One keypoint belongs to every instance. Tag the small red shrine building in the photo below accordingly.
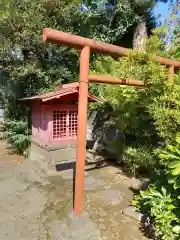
(54, 123)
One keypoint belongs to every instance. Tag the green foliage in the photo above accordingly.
(149, 119)
(160, 207)
(171, 158)
(145, 117)
(162, 199)
(138, 159)
(17, 135)
(107, 20)
(165, 110)
(28, 66)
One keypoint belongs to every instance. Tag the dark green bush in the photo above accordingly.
(138, 159)
(161, 201)
(17, 135)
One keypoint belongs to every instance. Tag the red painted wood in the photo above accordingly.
(114, 80)
(60, 130)
(64, 123)
(82, 125)
(78, 42)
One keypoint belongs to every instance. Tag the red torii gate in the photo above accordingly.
(86, 45)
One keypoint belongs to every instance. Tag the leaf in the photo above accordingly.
(135, 203)
(163, 191)
(177, 183)
(174, 164)
(178, 151)
(171, 179)
(176, 171)
(176, 229)
(171, 207)
(178, 138)
(172, 156)
(171, 148)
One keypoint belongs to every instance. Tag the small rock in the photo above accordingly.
(68, 174)
(131, 212)
(110, 195)
(90, 183)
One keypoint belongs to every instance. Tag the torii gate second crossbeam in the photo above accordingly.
(87, 45)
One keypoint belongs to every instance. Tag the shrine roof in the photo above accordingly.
(66, 89)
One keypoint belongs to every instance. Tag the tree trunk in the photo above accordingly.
(140, 35)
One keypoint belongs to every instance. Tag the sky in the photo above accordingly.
(161, 9)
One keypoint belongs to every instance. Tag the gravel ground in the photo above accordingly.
(34, 208)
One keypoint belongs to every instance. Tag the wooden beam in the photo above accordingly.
(61, 38)
(114, 80)
(81, 135)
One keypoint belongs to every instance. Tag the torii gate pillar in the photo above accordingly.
(81, 135)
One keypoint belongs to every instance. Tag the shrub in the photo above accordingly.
(17, 135)
(138, 159)
(161, 201)
(2, 130)
(143, 112)
(146, 117)
(164, 108)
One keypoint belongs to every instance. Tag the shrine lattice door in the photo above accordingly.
(64, 124)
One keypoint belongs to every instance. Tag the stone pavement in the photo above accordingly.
(34, 208)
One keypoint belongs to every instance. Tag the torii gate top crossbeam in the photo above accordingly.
(61, 38)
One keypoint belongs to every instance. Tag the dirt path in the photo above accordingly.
(33, 208)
